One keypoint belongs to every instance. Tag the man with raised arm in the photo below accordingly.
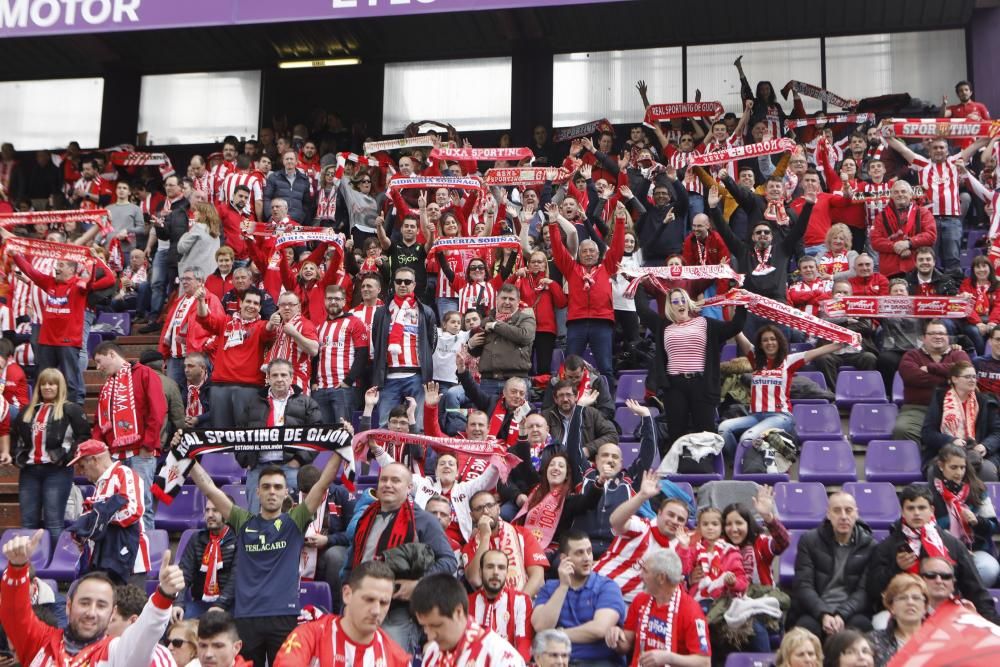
(268, 546)
(90, 603)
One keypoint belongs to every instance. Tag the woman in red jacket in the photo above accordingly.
(982, 286)
(591, 317)
(309, 282)
(545, 296)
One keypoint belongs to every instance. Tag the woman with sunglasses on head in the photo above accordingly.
(770, 385)
(962, 508)
(361, 205)
(960, 414)
(688, 347)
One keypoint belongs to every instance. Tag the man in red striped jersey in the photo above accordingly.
(498, 607)
(342, 359)
(244, 176)
(355, 638)
(637, 538)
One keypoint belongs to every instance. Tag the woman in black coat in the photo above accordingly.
(44, 439)
(692, 395)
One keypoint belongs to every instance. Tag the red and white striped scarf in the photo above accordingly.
(116, 409)
(236, 330)
(782, 313)
(211, 564)
(194, 407)
(284, 346)
(958, 419)
(176, 332)
(523, 176)
(39, 427)
(659, 276)
(939, 128)
(925, 543)
(956, 502)
(665, 642)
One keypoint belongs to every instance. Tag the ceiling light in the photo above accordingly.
(328, 62)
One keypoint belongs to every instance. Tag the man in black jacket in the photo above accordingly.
(916, 536)
(279, 404)
(830, 565)
(215, 545)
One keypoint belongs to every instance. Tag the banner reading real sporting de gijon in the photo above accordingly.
(23, 18)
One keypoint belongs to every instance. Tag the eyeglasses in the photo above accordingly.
(484, 507)
(677, 302)
(403, 281)
(762, 232)
(477, 268)
(943, 576)
(177, 643)
(912, 597)
(365, 180)
(968, 377)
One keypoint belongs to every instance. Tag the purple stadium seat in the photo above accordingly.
(316, 593)
(815, 376)
(829, 462)
(688, 489)
(187, 511)
(183, 542)
(729, 352)
(897, 389)
(817, 422)
(589, 357)
(872, 421)
(557, 359)
(223, 468)
(749, 660)
(41, 556)
(630, 386)
(698, 480)
(880, 534)
(238, 493)
(159, 541)
(877, 502)
(800, 504)
(120, 323)
(974, 236)
(628, 422)
(630, 452)
(64, 560)
(799, 347)
(786, 561)
(151, 585)
(965, 260)
(859, 387)
(893, 461)
(993, 491)
(995, 594)
(759, 477)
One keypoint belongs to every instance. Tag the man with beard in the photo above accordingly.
(583, 603)
(527, 561)
(90, 604)
(497, 607)
(342, 361)
(207, 564)
(354, 638)
(597, 430)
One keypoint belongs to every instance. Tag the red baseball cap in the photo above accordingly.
(89, 448)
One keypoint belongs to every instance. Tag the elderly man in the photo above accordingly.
(597, 430)
(504, 344)
(664, 625)
(900, 229)
(181, 332)
(583, 603)
(584, 377)
(551, 648)
(591, 317)
(242, 281)
(865, 282)
(389, 522)
(297, 341)
(197, 398)
(923, 370)
(829, 591)
(506, 410)
(291, 185)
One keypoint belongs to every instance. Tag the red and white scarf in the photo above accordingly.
(194, 407)
(176, 328)
(523, 176)
(542, 519)
(496, 422)
(435, 182)
(939, 128)
(899, 306)
(709, 558)
(482, 154)
(769, 147)
(645, 641)
(35, 249)
(775, 212)
(491, 451)
(956, 502)
(397, 328)
(116, 409)
(284, 346)
(310, 555)
(763, 262)
(959, 419)
(782, 313)
(454, 243)
(925, 544)
(99, 216)
(655, 113)
(39, 428)
(583, 386)
(211, 565)
(582, 130)
(236, 330)
(294, 236)
(424, 141)
(840, 119)
(817, 93)
(139, 159)
(659, 276)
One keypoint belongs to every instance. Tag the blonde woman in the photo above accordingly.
(799, 648)
(182, 642)
(43, 440)
(198, 246)
(838, 259)
(906, 600)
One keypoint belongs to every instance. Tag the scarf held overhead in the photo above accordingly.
(769, 147)
(661, 275)
(817, 93)
(397, 144)
(839, 119)
(34, 248)
(482, 154)
(128, 158)
(938, 128)
(790, 316)
(582, 130)
(660, 112)
(98, 216)
(899, 306)
(526, 176)
(426, 182)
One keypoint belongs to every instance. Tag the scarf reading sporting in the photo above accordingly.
(482, 154)
(956, 497)
(660, 276)
(840, 119)
(98, 216)
(33, 248)
(522, 176)
(235, 332)
(769, 147)
(402, 530)
(316, 438)
(660, 112)
(302, 235)
(899, 306)
(543, 518)
(211, 564)
(582, 130)
(397, 144)
(958, 418)
(139, 159)
(782, 313)
(925, 543)
(116, 409)
(491, 451)
(434, 182)
(817, 93)
(938, 128)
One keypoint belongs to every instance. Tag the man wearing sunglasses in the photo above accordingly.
(404, 334)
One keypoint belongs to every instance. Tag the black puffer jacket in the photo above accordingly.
(814, 565)
(194, 578)
(62, 436)
(301, 410)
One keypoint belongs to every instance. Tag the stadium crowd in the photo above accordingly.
(544, 352)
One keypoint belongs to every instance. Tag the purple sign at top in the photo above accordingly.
(22, 18)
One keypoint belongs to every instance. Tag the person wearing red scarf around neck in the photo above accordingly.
(131, 410)
(441, 606)
(297, 341)
(207, 564)
(899, 229)
(239, 354)
(664, 625)
(982, 285)
(591, 317)
(916, 536)
(865, 281)
(262, 249)
(544, 296)
(181, 332)
(813, 289)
